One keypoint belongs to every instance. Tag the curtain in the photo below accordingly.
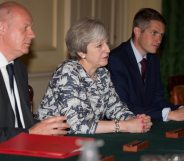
(172, 49)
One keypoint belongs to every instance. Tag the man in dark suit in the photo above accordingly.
(15, 38)
(138, 82)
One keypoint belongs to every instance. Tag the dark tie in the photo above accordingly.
(10, 70)
(143, 68)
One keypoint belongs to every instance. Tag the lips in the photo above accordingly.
(106, 57)
(28, 44)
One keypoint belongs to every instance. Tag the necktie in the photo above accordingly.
(143, 68)
(10, 70)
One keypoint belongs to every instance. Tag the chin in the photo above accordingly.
(25, 51)
(152, 51)
(103, 64)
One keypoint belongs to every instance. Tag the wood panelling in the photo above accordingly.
(52, 18)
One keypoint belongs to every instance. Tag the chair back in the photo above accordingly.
(31, 94)
(176, 89)
(178, 94)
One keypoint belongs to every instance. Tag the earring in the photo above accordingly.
(83, 57)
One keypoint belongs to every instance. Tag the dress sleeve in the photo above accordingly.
(116, 108)
(63, 97)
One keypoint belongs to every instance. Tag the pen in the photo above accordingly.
(178, 130)
(136, 143)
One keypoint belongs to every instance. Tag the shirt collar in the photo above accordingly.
(3, 60)
(137, 54)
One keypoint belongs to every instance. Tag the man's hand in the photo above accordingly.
(52, 126)
(177, 115)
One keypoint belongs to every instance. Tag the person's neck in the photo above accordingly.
(139, 49)
(91, 71)
(9, 57)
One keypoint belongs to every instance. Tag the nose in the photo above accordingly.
(106, 47)
(32, 34)
(159, 38)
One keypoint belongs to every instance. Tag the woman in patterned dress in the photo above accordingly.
(81, 88)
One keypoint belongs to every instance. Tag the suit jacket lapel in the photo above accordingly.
(6, 108)
(22, 90)
(134, 70)
(149, 79)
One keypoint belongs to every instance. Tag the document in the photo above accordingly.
(43, 145)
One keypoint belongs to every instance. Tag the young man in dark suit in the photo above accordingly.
(138, 82)
(16, 35)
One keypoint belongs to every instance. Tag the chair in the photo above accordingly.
(31, 94)
(178, 94)
(176, 89)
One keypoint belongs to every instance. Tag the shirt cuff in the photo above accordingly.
(165, 113)
(182, 106)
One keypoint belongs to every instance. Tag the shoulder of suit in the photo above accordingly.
(20, 67)
(153, 56)
(120, 50)
(19, 63)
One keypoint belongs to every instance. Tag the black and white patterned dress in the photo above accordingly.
(84, 101)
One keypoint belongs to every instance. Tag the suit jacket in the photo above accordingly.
(7, 118)
(141, 97)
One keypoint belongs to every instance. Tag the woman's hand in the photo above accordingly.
(140, 124)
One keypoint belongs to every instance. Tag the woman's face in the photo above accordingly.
(97, 54)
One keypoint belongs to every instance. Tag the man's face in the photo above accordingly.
(19, 34)
(149, 40)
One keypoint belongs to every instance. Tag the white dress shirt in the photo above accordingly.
(3, 63)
